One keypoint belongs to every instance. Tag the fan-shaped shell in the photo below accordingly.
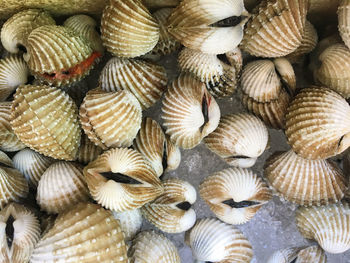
(88, 151)
(313, 254)
(130, 222)
(344, 21)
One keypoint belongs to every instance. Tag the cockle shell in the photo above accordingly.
(305, 182)
(318, 123)
(328, 225)
(86, 233)
(110, 119)
(239, 139)
(128, 29)
(276, 28)
(130, 222)
(312, 254)
(189, 112)
(214, 241)
(88, 151)
(235, 194)
(212, 27)
(121, 179)
(46, 120)
(145, 80)
(149, 246)
(344, 21)
(20, 231)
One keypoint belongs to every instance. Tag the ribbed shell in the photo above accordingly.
(119, 196)
(318, 123)
(313, 254)
(239, 139)
(305, 182)
(128, 29)
(86, 233)
(328, 225)
(88, 151)
(110, 119)
(145, 80)
(46, 120)
(130, 222)
(5, 160)
(344, 21)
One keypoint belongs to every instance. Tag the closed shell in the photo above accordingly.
(130, 222)
(344, 21)
(88, 151)
(313, 254)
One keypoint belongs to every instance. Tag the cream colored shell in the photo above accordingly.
(88, 151)
(313, 254)
(130, 222)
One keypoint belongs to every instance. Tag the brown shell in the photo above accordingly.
(154, 4)
(88, 151)
(314, 254)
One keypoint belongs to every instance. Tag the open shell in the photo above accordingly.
(313, 254)
(88, 151)
(344, 21)
(130, 222)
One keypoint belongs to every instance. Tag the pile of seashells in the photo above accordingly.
(83, 167)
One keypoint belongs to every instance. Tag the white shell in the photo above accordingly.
(130, 222)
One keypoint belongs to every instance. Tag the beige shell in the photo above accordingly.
(88, 151)
(313, 254)
(214, 241)
(154, 4)
(171, 212)
(46, 120)
(276, 28)
(328, 225)
(145, 80)
(318, 123)
(61, 187)
(344, 21)
(19, 232)
(305, 182)
(239, 139)
(130, 222)
(189, 112)
(121, 179)
(128, 29)
(86, 233)
(110, 119)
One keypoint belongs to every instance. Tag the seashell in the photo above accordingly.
(250, 4)
(121, 179)
(155, 4)
(128, 29)
(15, 31)
(159, 151)
(171, 212)
(189, 112)
(110, 119)
(46, 120)
(149, 246)
(212, 27)
(344, 21)
(58, 56)
(328, 225)
(20, 231)
(88, 151)
(299, 255)
(239, 139)
(145, 80)
(86, 233)
(13, 73)
(318, 123)
(305, 182)
(61, 187)
(5, 160)
(130, 222)
(32, 165)
(234, 195)
(275, 29)
(214, 241)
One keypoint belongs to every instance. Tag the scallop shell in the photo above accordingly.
(145, 80)
(344, 21)
(214, 241)
(276, 28)
(234, 195)
(149, 246)
(20, 231)
(155, 4)
(46, 120)
(121, 179)
(312, 254)
(305, 182)
(318, 123)
(61, 187)
(86, 233)
(189, 112)
(110, 119)
(130, 222)
(128, 29)
(212, 27)
(239, 139)
(88, 151)
(328, 225)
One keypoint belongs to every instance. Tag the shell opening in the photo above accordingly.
(205, 112)
(223, 58)
(242, 204)
(22, 48)
(4, 165)
(120, 178)
(184, 206)
(294, 260)
(9, 230)
(165, 157)
(229, 21)
(285, 85)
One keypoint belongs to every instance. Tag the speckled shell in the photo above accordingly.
(313, 254)
(116, 195)
(130, 222)
(328, 225)
(318, 123)
(214, 241)
(305, 182)
(86, 233)
(46, 120)
(276, 28)
(239, 139)
(128, 29)
(88, 151)
(110, 119)
(26, 233)
(189, 112)
(344, 21)
(145, 80)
